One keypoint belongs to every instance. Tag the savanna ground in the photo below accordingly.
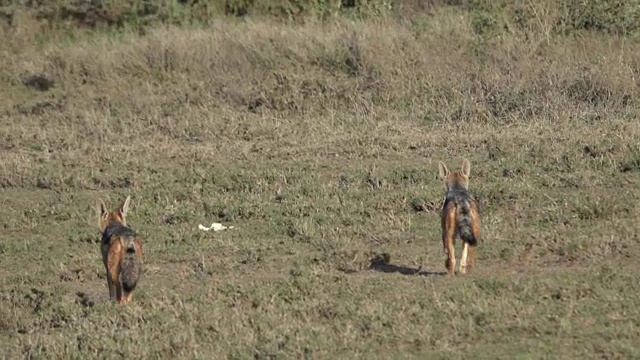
(319, 141)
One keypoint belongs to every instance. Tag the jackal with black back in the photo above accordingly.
(460, 217)
(121, 252)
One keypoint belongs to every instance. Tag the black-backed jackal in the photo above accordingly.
(121, 252)
(460, 217)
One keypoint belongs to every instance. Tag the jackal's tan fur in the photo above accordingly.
(460, 217)
(121, 252)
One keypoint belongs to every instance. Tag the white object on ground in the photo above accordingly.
(214, 227)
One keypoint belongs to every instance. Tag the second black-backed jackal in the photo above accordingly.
(121, 252)
(460, 217)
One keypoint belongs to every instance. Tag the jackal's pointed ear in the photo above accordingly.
(103, 212)
(466, 167)
(443, 170)
(124, 208)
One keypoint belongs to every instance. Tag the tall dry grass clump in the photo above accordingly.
(312, 88)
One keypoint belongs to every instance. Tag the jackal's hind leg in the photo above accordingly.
(450, 261)
(463, 259)
(448, 236)
(112, 287)
(472, 257)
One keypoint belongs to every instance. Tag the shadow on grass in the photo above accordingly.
(381, 263)
(89, 299)
(404, 270)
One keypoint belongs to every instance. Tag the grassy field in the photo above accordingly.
(319, 142)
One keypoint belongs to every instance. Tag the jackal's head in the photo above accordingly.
(117, 216)
(455, 179)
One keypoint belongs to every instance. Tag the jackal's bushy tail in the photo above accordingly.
(465, 223)
(130, 268)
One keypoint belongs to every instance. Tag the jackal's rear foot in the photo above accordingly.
(450, 266)
(469, 268)
(463, 267)
(126, 299)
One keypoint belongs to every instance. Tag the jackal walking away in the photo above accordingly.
(460, 217)
(121, 252)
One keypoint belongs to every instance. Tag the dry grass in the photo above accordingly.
(349, 119)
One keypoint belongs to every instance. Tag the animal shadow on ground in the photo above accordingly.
(381, 262)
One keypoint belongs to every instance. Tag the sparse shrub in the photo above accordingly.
(615, 17)
(632, 160)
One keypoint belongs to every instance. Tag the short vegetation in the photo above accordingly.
(315, 128)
